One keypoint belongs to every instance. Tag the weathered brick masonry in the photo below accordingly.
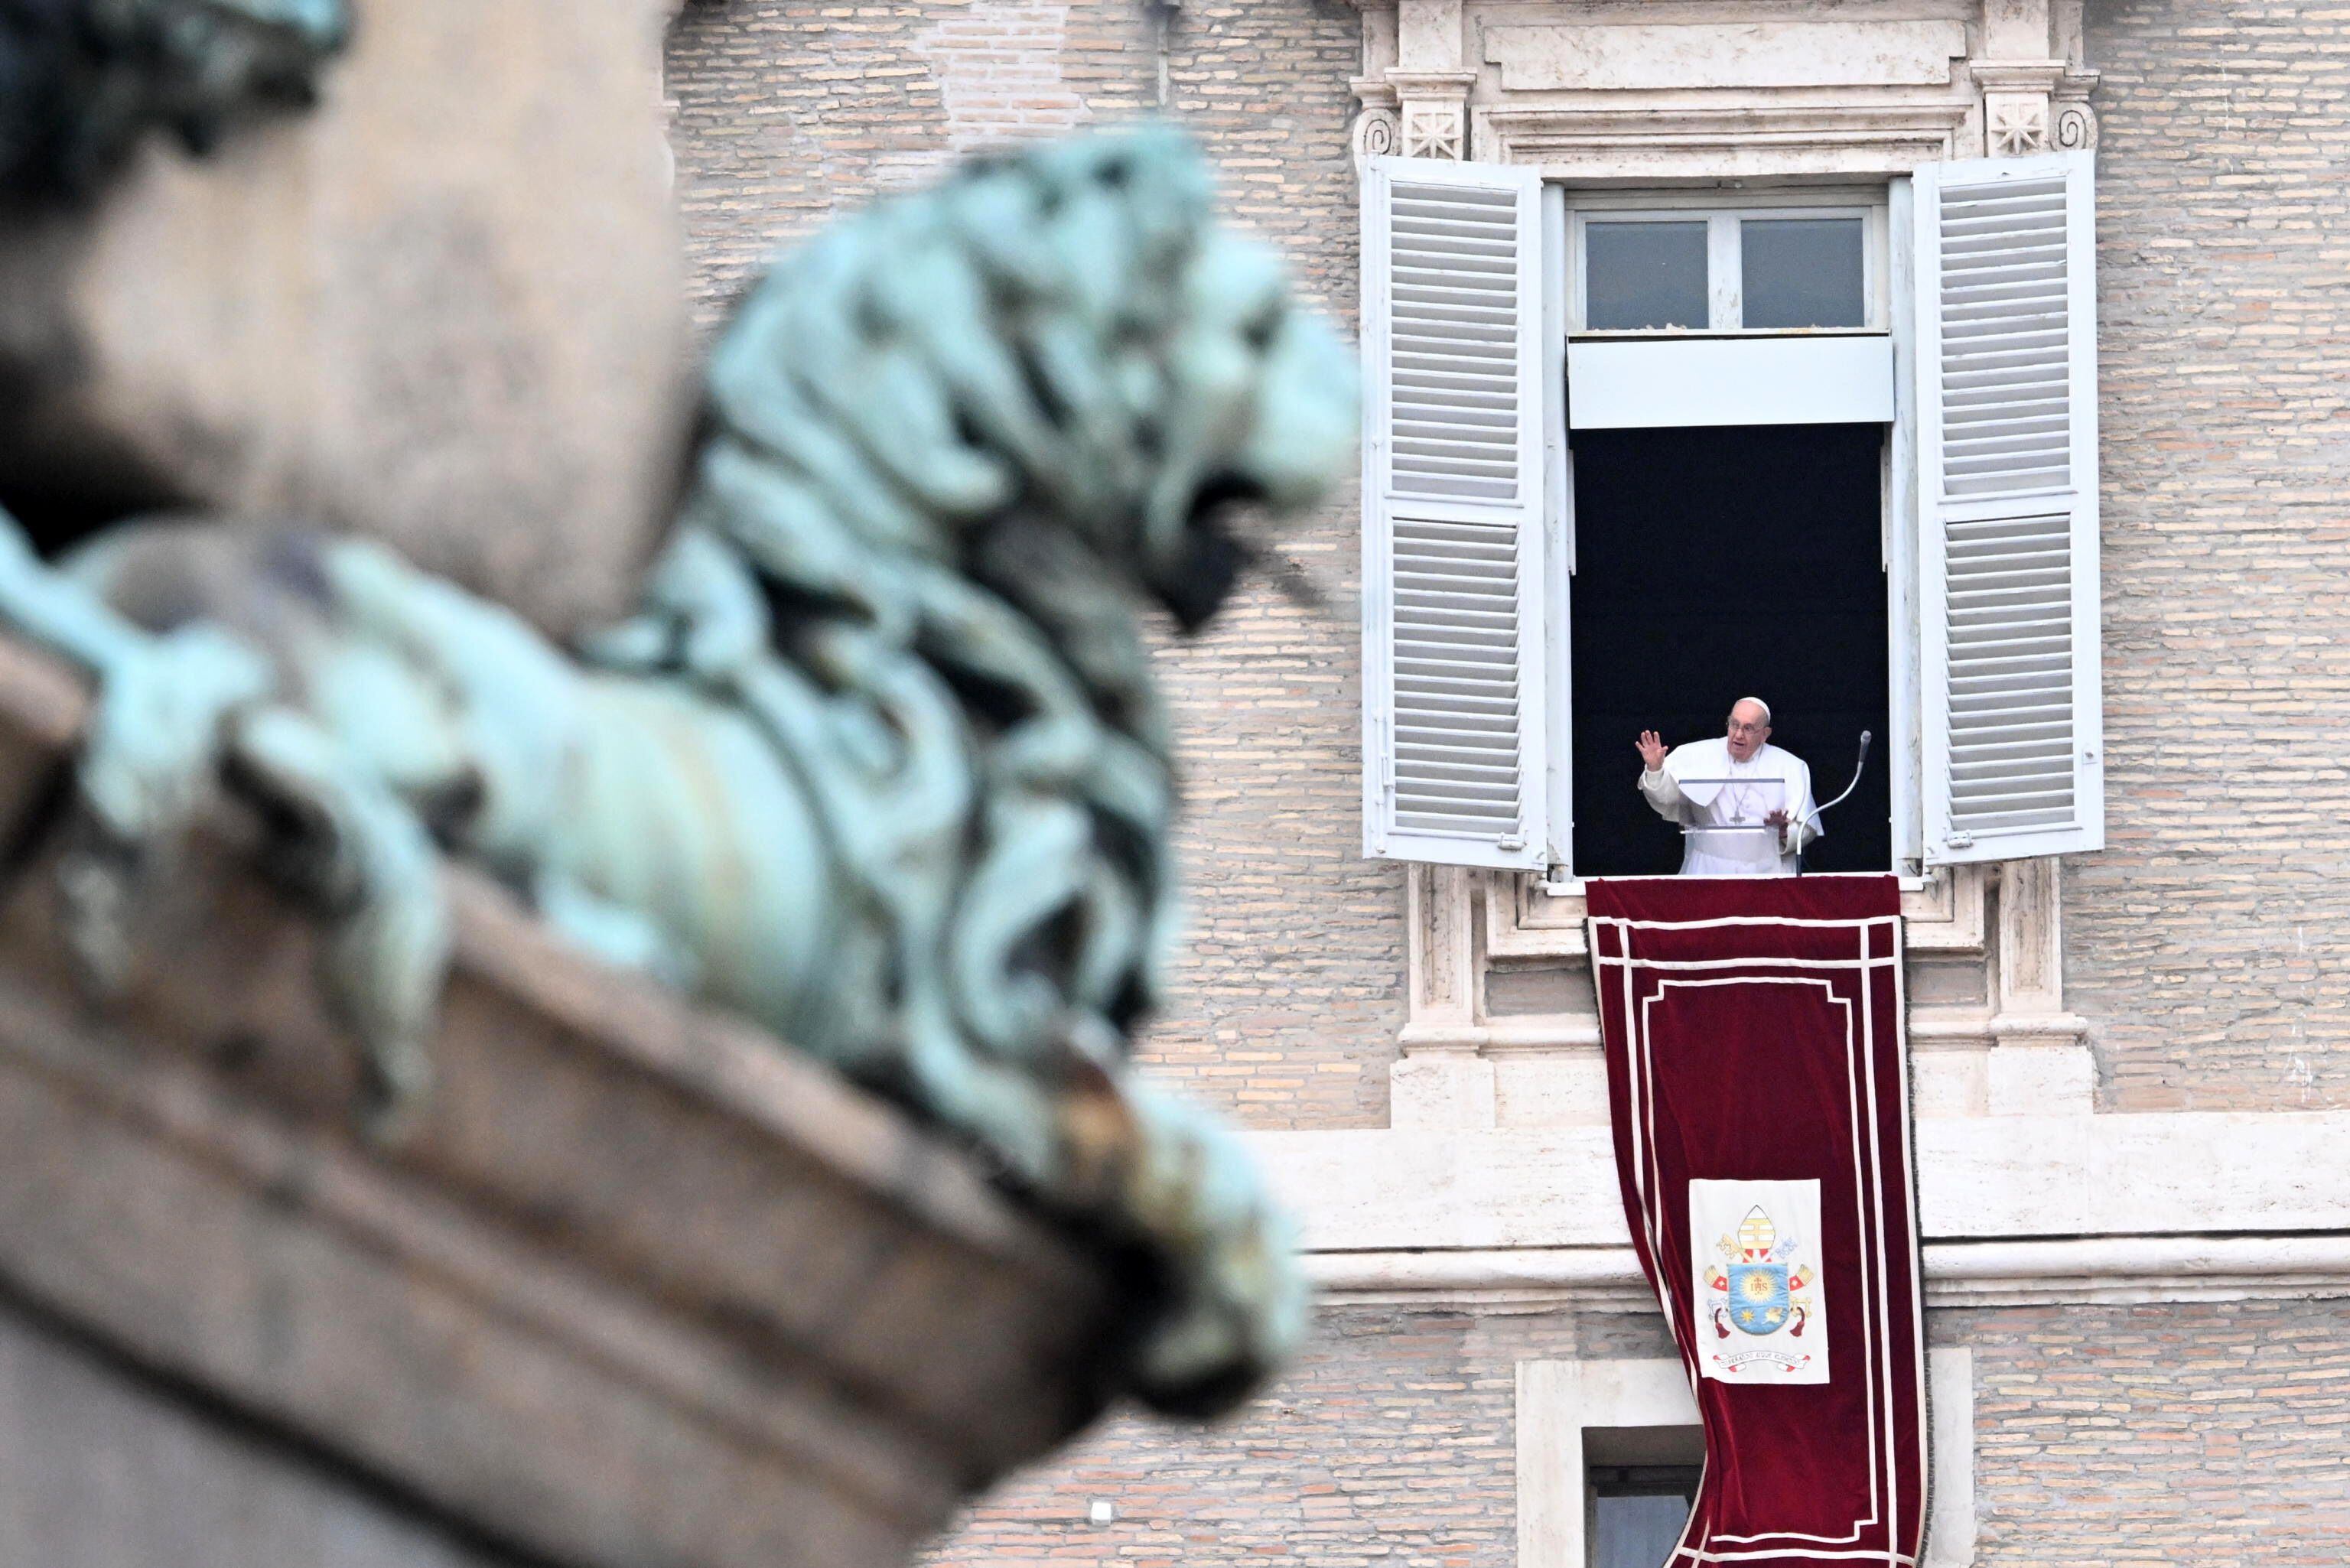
(1286, 1007)
(2209, 944)
(1392, 1443)
(2204, 1433)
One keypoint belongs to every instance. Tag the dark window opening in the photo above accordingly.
(1711, 563)
(1637, 1512)
(1638, 1486)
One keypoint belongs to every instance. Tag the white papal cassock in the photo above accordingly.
(1725, 834)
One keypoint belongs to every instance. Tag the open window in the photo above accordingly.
(1711, 562)
(1632, 456)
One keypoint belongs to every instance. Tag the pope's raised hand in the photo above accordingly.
(1651, 749)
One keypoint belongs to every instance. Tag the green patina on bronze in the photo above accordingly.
(82, 81)
(879, 760)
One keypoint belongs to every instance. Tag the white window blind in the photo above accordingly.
(2006, 385)
(1453, 491)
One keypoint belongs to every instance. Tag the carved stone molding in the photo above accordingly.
(1432, 86)
(1523, 917)
(2071, 1207)
(1675, 56)
(1379, 127)
(2075, 127)
(2014, 124)
(2075, 123)
(2018, 116)
(1435, 111)
(2068, 1271)
(1434, 131)
(2042, 1055)
(1439, 945)
(1712, 92)
(2031, 947)
(1604, 140)
(1989, 1030)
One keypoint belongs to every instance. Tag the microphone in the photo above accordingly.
(1857, 769)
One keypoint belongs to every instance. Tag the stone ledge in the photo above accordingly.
(2147, 1181)
(641, 1288)
(2081, 1271)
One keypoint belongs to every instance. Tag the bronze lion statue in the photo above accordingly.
(878, 760)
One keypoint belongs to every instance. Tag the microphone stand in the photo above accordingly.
(1819, 811)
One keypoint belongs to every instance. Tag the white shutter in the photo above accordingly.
(2007, 495)
(1452, 528)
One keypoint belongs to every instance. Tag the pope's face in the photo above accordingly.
(1747, 731)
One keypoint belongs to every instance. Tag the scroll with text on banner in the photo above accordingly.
(1759, 1089)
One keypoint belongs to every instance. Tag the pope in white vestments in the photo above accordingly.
(1744, 805)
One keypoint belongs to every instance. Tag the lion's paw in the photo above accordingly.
(151, 759)
(359, 852)
(1235, 1304)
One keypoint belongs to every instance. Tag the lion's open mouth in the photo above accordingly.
(1213, 553)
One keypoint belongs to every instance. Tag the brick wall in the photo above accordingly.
(1287, 1002)
(1392, 1442)
(2211, 941)
(787, 112)
(2211, 1433)
(2203, 1433)
(2208, 944)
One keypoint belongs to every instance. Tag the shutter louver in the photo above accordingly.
(2006, 403)
(2007, 421)
(1456, 681)
(1452, 528)
(1453, 259)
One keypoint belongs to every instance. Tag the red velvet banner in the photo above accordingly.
(1759, 1090)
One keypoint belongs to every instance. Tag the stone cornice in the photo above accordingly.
(2077, 1270)
(2017, 76)
(2158, 1206)
(1432, 84)
(1708, 92)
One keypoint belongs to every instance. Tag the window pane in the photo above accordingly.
(1643, 275)
(1802, 272)
(1637, 1532)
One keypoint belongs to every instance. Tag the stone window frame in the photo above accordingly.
(1501, 81)
(1557, 1401)
(1992, 933)
(1488, 80)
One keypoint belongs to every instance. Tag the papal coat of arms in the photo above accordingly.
(1759, 1292)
